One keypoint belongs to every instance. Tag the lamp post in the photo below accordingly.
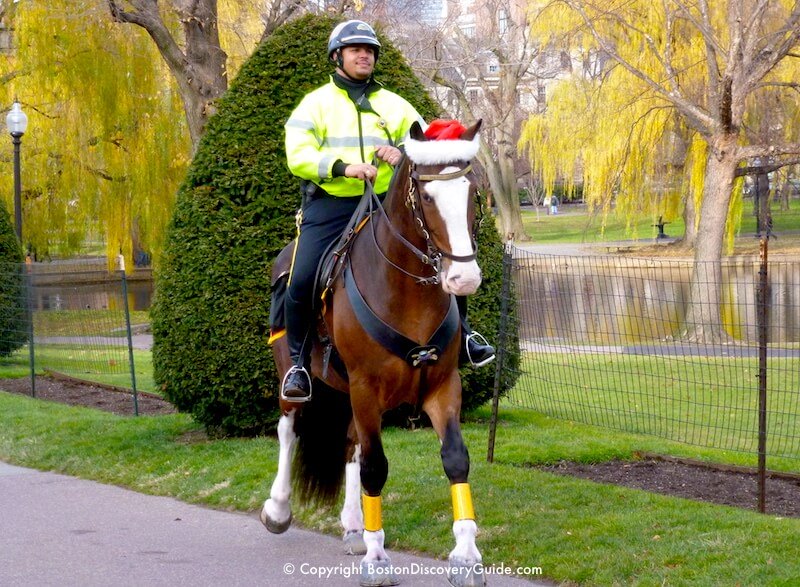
(17, 124)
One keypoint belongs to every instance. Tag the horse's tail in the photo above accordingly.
(322, 443)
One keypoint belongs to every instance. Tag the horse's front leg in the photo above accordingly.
(352, 517)
(276, 514)
(376, 565)
(444, 409)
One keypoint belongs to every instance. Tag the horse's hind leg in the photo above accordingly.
(443, 409)
(351, 517)
(276, 514)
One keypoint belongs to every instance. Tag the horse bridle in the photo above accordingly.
(433, 254)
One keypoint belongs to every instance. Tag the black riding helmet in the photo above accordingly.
(352, 32)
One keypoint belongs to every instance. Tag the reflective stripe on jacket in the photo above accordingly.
(326, 126)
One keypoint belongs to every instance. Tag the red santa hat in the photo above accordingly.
(444, 144)
(444, 130)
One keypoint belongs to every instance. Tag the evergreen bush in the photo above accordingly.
(13, 330)
(234, 213)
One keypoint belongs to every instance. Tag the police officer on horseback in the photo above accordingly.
(341, 134)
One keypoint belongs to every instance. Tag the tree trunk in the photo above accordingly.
(503, 183)
(786, 194)
(199, 68)
(703, 319)
(690, 221)
(501, 172)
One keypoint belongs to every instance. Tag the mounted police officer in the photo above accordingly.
(340, 135)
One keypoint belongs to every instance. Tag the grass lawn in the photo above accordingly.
(574, 224)
(86, 322)
(575, 530)
(704, 401)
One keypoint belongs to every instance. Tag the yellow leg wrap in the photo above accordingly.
(372, 512)
(462, 502)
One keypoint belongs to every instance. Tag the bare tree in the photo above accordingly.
(480, 63)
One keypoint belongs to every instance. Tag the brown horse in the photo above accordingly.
(393, 322)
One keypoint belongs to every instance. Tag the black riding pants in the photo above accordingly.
(324, 219)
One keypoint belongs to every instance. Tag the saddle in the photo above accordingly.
(328, 269)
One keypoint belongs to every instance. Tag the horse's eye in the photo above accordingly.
(426, 197)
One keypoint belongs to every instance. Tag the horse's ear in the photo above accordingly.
(416, 132)
(470, 133)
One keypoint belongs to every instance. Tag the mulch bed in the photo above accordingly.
(692, 481)
(680, 479)
(77, 393)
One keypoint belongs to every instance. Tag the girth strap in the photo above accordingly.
(395, 342)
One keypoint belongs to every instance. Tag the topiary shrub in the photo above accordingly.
(13, 330)
(234, 213)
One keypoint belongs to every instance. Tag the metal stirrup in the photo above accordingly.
(479, 338)
(294, 369)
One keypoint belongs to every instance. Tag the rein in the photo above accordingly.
(433, 256)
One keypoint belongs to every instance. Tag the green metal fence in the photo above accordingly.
(70, 319)
(608, 341)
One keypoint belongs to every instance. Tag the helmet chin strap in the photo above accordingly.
(339, 61)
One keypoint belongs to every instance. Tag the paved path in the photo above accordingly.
(60, 531)
(598, 249)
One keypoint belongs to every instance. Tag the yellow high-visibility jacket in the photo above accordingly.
(326, 126)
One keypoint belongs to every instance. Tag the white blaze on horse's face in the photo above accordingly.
(452, 198)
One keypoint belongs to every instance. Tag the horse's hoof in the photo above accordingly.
(377, 573)
(466, 574)
(354, 542)
(272, 525)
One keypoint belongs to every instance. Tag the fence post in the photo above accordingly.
(121, 264)
(762, 317)
(501, 348)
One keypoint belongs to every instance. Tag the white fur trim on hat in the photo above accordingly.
(440, 152)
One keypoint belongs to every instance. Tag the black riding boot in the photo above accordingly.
(475, 349)
(296, 385)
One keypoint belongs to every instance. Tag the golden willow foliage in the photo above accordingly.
(107, 144)
(240, 29)
(582, 136)
(613, 132)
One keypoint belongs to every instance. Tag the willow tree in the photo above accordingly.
(108, 140)
(106, 145)
(715, 68)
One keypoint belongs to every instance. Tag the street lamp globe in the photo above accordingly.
(16, 121)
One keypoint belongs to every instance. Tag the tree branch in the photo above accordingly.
(759, 169)
(752, 151)
(701, 120)
(147, 16)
